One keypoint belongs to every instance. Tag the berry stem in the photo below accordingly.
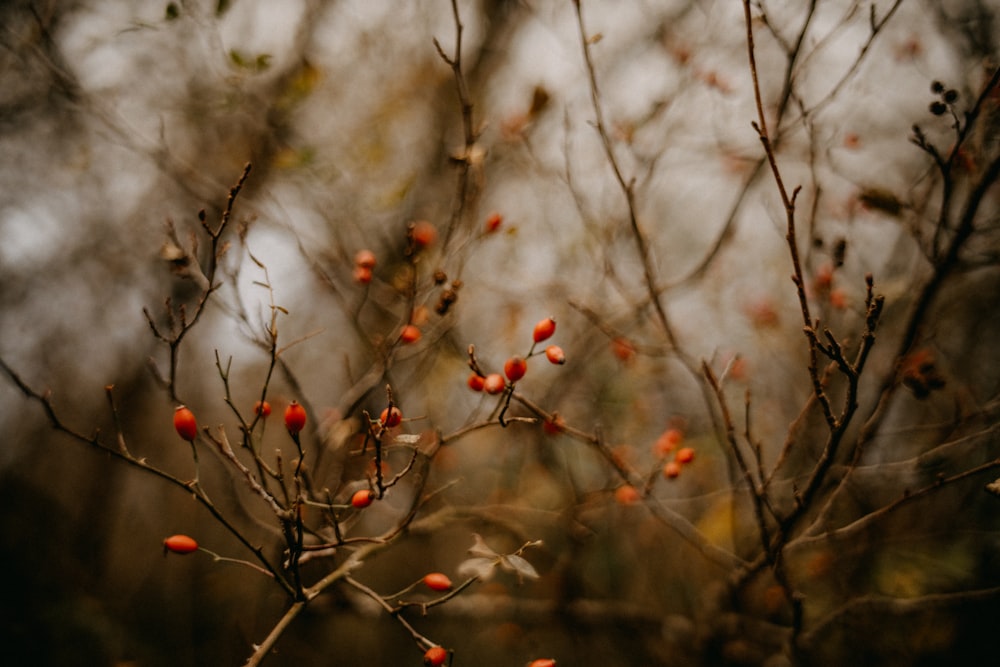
(237, 561)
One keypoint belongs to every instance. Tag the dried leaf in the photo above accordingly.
(482, 568)
(481, 549)
(881, 200)
(523, 568)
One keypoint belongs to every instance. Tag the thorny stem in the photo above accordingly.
(262, 650)
(424, 606)
(222, 442)
(122, 447)
(263, 470)
(392, 611)
(235, 561)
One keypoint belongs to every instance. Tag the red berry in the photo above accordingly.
(365, 259)
(362, 498)
(295, 417)
(409, 334)
(626, 495)
(555, 354)
(824, 278)
(543, 662)
(435, 656)
(623, 349)
(672, 469)
(437, 582)
(185, 424)
(180, 544)
(475, 382)
(493, 383)
(391, 418)
(668, 441)
(544, 330)
(262, 408)
(362, 275)
(515, 368)
(423, 234)
(684, 455)
(493, 222)
(838, 298)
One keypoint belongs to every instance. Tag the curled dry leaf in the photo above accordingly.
(481, 549)
(481, 568)
(520, 566)
(485, 560)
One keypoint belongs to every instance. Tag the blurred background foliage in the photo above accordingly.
(116, 117)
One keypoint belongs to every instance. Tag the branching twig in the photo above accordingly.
(468, 158)
(176, 335)
(199, 495)
(757, 493)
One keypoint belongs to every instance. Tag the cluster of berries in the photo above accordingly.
(516, 366)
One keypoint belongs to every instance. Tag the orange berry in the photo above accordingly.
(542, 662)
(763, 314)
(435, 656)
(423, 234)
(668, 441)
(838, 298)
(185, 424)
(391, 418)
(362, 275)
(180, 544)
(623, 349)
(544, 330)
(475, 382)
(627, 495)
(493, 383)
(262, 408)
(823, 279)
(295, 417)
(684, 455)
(672, 469)
(515, 368)
(365, 259)
(493, 222)
(409, 334)
(555, 354)
(362, 498)
(437, 582)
